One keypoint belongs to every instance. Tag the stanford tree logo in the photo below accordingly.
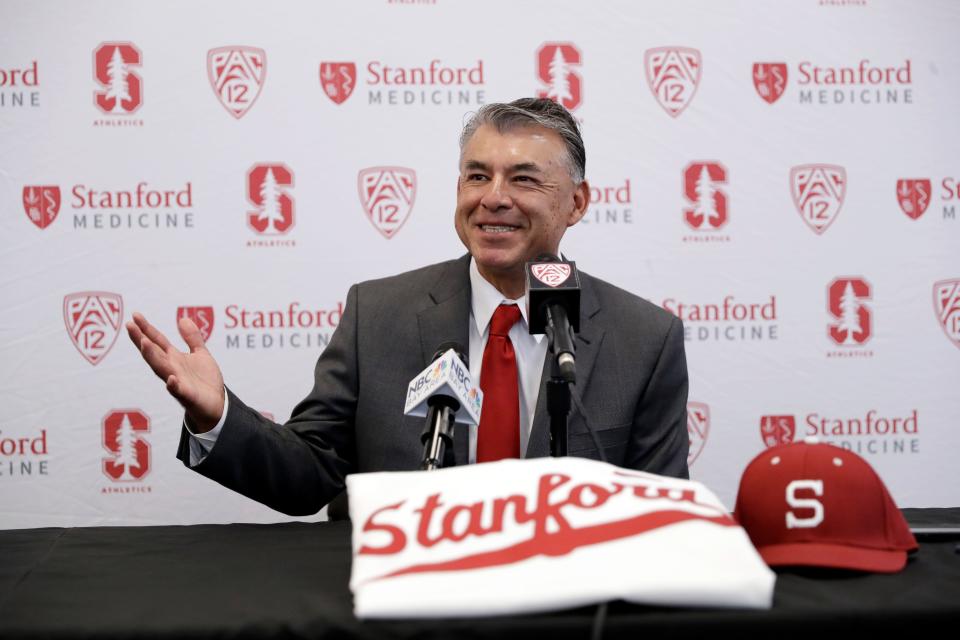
(338, 80)
(770, 80)
(93, 321)
(701, 188)
(776, 430)
(847, 303)
(818, 191)
(556, 64)
(946, 304)
(673, 74)
(41, 204)
(387, 195)
(121, 87)
(128, 458)
(913, 195)
(236, 75)
(201, 316)
(274, 204)
(698, 428)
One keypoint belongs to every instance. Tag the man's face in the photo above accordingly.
(515, 198)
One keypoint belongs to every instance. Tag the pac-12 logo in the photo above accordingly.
(201, 316)
(236, 75)
(128, 452)
(701, 187)
(552, 274)
(556, 68)
(913, 195)
(41, 204)
(114, 65)
(770, 80)
(673, 74)
(698, 428)
(93, 321)
(387, 195)
(266, 190)
(847, 300)
(818, 191)
(777, 430)
(946, 304)
(338, 80)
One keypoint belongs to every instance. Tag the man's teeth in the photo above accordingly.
(497, 228)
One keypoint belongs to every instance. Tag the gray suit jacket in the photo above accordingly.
(631, 372)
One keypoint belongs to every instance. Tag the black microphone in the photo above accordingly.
(437, 431)
(553, 308)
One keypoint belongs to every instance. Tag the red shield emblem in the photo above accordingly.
(41, 204)
(847, 300)
(946, 304)
(236, 75)
(387, 195)
(673, 74)
(913, 196)
(702, 186)
(267, 191)
(114, 68)
(201, 316)
(818, 191)
(552, 274)
(338, 80)
(129, 452)
(93, 321)
(557, 64)
(698, 428)
(770, 80)
(776, 430)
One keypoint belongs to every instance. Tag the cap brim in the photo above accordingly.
(834, 556)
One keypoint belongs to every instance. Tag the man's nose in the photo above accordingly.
(496, 196)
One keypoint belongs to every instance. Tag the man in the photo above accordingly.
(521, 186)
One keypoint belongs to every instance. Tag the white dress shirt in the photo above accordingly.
(484, 300)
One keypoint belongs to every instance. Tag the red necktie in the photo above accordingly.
(498, 436)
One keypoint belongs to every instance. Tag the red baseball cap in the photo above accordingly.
(818, 505)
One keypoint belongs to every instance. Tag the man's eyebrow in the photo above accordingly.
(529, 167)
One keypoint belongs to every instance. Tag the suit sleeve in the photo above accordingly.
(659, 441)
(298, 467)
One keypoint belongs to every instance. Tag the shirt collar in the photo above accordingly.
(485, 298)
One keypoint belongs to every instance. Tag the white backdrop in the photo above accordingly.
(759, 169)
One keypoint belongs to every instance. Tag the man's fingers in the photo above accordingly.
(191, 334)
(151, 331)
(156, 358)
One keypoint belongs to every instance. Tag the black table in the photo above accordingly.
(290, 580)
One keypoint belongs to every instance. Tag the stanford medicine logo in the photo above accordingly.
(946, 304)
(552, 274)
(201, 316)
(93, 320)
(41, 204)
(274, 205)
(913, 195)
(770, 80)
(847, 300)
(114, 65)
(777, 430)
(673, 74)
(387, 195)
(236, 75)
(818, 191)
(701, 188)
(698, 428)
(338, 80)
(128, 453)
(556, 69)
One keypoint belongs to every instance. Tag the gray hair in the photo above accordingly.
(533, 111)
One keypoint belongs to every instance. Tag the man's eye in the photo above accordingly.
(524, 179)
(476, 177)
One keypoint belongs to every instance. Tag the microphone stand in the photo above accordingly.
(438, 431)
(562, 374)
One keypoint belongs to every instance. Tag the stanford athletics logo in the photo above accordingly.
(946, 304)
(770, 80)
(914, 196)
(93, 321)
(701, 182)
(236, 75)
(201, 316)
(673, 74)
(265, 191)
(552, 274)
(818, 191)
(847, 303)
(338, 80)
(41, 204)
(122, 88)
(775, 430)
(698, 428)
(556, 62)
(129, 452)
(387, 195)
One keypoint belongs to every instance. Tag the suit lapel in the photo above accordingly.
(588, 346)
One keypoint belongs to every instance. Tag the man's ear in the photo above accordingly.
(581, 200)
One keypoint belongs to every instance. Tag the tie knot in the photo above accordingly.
(504, 318)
